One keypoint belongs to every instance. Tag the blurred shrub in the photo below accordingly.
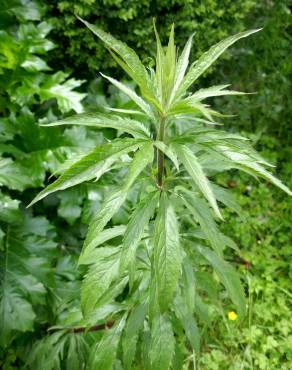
(212, 20)
(264, 66)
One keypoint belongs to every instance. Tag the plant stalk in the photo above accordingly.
(160, 154)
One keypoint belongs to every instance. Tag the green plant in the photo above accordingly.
(32, 265)
(149, 280)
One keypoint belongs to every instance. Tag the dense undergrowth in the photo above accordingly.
(40, 247)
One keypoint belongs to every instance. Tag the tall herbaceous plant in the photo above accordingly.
(148, 284)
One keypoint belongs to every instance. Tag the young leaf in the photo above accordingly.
(208, 58)
(212, 92)
(129, 58)
(182, 65)
(193, 167)
(167, 253)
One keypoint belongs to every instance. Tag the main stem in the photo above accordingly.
(160, 154)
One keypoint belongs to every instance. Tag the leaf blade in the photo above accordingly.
(196, 172)
(208, 58)
(167, 253)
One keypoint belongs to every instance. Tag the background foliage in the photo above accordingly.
(211, 20)
(39, 248)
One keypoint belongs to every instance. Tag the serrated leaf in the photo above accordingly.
(130, 336)
(90, 252)
(56, 86)
(16, 314)
(208, 58)
(128, 125)
(228, 276)
(143, 157)
(117, 197)
(13, 175)
(109, 207)
(226, 197)
(162, 343)
(252, 164)
(132, 95)
(92, 165)
(202, 214)
(182, 65)
(104, 354)
(135, 228)
(195, 170)
(99, 278)
(10, 211)
(188, 322)
(167, 253)
(127, 58)
(212, 92)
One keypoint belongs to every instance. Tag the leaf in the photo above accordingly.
(130, 60)
(226, 197)
(117, 197)
(128, 125)
(132, 95)
(98, 279)
(87, 253)
(131, 332)
(109, 207)
(16, 314)
(10, 211)
(167, 150)
(250, 163)
(228, 277)
(188, 322)
(56, 86)
(202, 214)
(140, 161)
(13, 175)
(212, 92)
(196, 172)
(259, 170)
(135, 228)
(162, 343)
(159, 64)
(104, 354)
(182, 65)
(167, 253)
(92, 165)
(208, 58)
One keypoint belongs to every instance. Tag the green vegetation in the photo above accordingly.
(133, 20)
(41, 322)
